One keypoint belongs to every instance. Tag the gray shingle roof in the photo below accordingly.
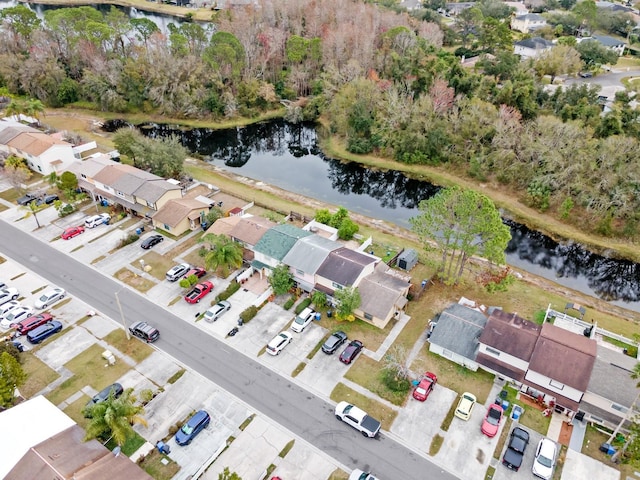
(308, 254)
(610, 377)
(152, 190)
(536, 43)
(607, 41)
(277, 241)
(381, 292)
(458, 330)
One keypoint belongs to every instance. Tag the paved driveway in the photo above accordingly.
(503, 473)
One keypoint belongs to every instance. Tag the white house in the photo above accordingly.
(532, 47)
(606, 41)
(528, 23)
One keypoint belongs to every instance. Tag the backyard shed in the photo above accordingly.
(407, 259)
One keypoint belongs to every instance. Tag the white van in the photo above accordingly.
(96, 220)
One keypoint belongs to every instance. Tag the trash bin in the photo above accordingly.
(517, 412)
(138, 231)
(329, 313)
(318, 316)
(104, 203)
(607, 448)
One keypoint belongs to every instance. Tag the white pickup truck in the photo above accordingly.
(358, 419)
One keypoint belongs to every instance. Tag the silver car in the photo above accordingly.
(49, 297)
(215, 312)
(178, 271)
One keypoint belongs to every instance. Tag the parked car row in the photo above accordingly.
(44, 199)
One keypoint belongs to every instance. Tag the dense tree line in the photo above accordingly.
(380, 77)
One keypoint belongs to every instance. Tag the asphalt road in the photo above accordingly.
(265, 391)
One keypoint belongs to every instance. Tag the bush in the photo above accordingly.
(319, 299)
(395, 382)
(249, 313)
(289, 303)
(230, 290)
(65, 210)
(302, 305)
(128, 240)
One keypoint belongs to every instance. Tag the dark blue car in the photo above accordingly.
(44, 331)
(193, 427)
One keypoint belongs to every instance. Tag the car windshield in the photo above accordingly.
(421, 390)
(300, 320)
(45, 297)
(494, 416)
(187, 429)
(547, 462)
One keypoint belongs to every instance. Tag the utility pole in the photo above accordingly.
(124, 325)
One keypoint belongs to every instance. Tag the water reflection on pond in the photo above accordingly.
(288, 156)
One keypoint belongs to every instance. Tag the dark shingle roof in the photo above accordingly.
(344, 266)
(509, 333)
(564, 356)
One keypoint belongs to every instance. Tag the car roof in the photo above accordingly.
(198, 416)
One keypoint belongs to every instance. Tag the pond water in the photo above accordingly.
(162, 21)
(288, 156)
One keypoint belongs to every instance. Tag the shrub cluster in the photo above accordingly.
(289, 303)
(128, 240)
(230, 290)
(249, 313)
(302, 305)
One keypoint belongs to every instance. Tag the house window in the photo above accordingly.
(493, 351)
(619, 408)
(557, 385)
(39, 169)
(337, 286)
(368, 316)
(166, 227)
(299, 272)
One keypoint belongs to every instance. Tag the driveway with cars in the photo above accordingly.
(503, 473)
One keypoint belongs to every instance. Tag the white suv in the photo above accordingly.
(278, 343)
(302, 320)
(96, 220)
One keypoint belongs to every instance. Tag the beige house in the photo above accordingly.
(177, 216)
(135, 190)
(383, 295)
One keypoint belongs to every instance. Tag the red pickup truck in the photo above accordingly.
(198, 292)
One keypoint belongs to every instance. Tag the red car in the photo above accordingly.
(349, 354)
(425, 387)
(492, 419)
(197, 271)
(32, 322)
(197, 292)
(72, 232)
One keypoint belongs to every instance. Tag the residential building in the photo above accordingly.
(532, 47)
(611, 391)
(43, 153)
(274, 244)
(528, 22)
(180, 215)
(606, 41)
(343, 268)
(383, 295)
(137, 191)
(456, 334)
(454, 8)
(46, 443)
(506, 345)
(305, 258)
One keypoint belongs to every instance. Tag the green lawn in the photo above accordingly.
(368, 373)
(39, 375)
(89, 368)
(134, 348)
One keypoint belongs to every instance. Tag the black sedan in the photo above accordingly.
(351, 352)
(151, 241)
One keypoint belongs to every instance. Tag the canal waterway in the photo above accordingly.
(288, 157)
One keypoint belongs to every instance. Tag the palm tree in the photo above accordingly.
(114, 417)
(31, 209)
(223, 253)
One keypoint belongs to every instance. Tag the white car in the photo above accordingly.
(8, 294)
(7, 307)
(465, 406)
(302, 320)
(215, 312)
(177, 271)
(15, 315)
(278, 343)
(545, 459)
(361, 475)
(49, 297)
(96, 220)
